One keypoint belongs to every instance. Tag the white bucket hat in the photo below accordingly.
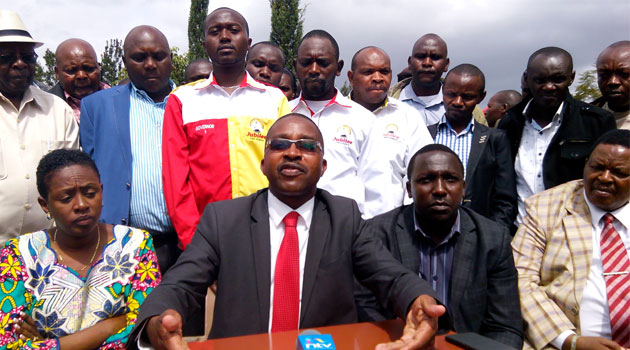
(12, 29)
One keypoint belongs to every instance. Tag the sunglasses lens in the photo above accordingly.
(279, 145)
(29, 58)
(308, 145)
(6, 59)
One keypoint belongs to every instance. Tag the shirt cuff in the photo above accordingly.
(143, 345)
(557, 343)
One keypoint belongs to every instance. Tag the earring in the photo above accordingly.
(48, 217)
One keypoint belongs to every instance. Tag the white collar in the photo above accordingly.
(621, 214)
(278, 210)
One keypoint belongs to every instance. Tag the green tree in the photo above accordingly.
(180, 62)
(196, 36)
(345, 89)
(46, 74)
(112, 70)
(587, 89)
(287, 19)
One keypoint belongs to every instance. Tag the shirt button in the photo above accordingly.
(435, 278)
(124, 221)
(540, 154)
(22, 147)
(27, 206)
(538, 175)
(128, 185)
(235, 195)
(27, 176)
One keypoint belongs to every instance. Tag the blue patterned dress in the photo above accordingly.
(60, 301)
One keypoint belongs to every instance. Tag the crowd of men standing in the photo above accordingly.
(445, 187)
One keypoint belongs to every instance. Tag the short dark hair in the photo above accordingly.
(205, 21)
(319, 33)
(300, 116)
(468, 69)
(268, 43)
(551, 51)
(59, 159)
(433, 147)
(620, 137)
(292, 76)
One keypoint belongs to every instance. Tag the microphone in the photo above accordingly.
(311, 339)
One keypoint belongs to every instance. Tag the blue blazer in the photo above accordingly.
(104, 133)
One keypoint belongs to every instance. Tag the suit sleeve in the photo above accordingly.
(503, 321)
(503, 201)
(178, 193)
(86, 129)
(543, 319)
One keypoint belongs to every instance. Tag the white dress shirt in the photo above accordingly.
(398, 132)
(345, 126)
(529, 160)
(430, 107)
(594, 314)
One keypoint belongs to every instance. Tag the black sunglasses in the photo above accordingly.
(306, 145)
(28, 58)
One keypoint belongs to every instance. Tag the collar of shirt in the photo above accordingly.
(622, 215)
(334, 101)
(247, 82)
(557, 118)
(454, 230)
(408, 94)
(143, 95)
(443, 123)
(278, 210)
(26, 98)
(72, 100)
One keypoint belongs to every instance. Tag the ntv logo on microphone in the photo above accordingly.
(317, 342)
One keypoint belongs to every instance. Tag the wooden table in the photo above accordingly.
(357, 336)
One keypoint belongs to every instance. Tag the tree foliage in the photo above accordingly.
(112, 70)
(46, 74)
(196, 36)
(287, 19)
(587, 89)
(180, 62)
(345, 89)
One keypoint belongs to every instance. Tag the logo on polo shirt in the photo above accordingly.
(204, 127)
(391, 132)
(343, 134)
(257, 127)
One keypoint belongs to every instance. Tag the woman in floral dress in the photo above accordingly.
(79, 284)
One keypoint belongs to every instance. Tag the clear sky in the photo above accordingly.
(497, 36)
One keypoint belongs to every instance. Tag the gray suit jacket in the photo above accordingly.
(57, 90)
(231, 246)
(484, 289)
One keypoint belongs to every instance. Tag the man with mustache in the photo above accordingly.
(550, 133)
(613, 78)
(215, 129)
(78, 72)
(466, 257)
(572, 255)
(484, 151)
(265, 62)
(345, 124)
(398, 130)
(423, 90)
(285, 258)
(32, 123)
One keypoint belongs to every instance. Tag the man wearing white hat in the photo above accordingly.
(32, 123)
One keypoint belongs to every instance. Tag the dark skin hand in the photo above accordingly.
(592, 343)
(165, 331)
(89, 338)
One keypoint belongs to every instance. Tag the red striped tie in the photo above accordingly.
(286, 282)
(616, 273)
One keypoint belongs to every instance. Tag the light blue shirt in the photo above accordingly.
(147, 207)
(459, 143)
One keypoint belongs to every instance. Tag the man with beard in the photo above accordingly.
(613, 78)
(78, 73)
(215, 129)
(345, 124)
(32, 123)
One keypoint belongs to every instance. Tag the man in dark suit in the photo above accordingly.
(466, 257)
(485, 152)
(121, 129)
(240, 242)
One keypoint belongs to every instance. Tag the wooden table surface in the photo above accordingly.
(358, 336)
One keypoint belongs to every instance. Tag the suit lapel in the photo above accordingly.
(259, 230)
(463, 256)
(317, 237)
(407, 240)
(579, 235)
(479, 141)
(121, 123)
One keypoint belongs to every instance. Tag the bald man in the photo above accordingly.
(423, 91)
(499, 104)
(197, 70)
(121, 129)
(78, 73)
(551, 134)
(398, 130)
(613, 78)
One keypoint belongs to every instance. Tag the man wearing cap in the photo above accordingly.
(32, 123)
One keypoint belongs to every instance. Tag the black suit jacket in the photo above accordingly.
(581, 125)
(57, 90)
(484, 286)
(490, 178)
(231, 245)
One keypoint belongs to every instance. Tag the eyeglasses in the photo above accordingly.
(306, 145)
(28, 58)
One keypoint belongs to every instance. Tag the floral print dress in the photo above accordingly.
(60, 301)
